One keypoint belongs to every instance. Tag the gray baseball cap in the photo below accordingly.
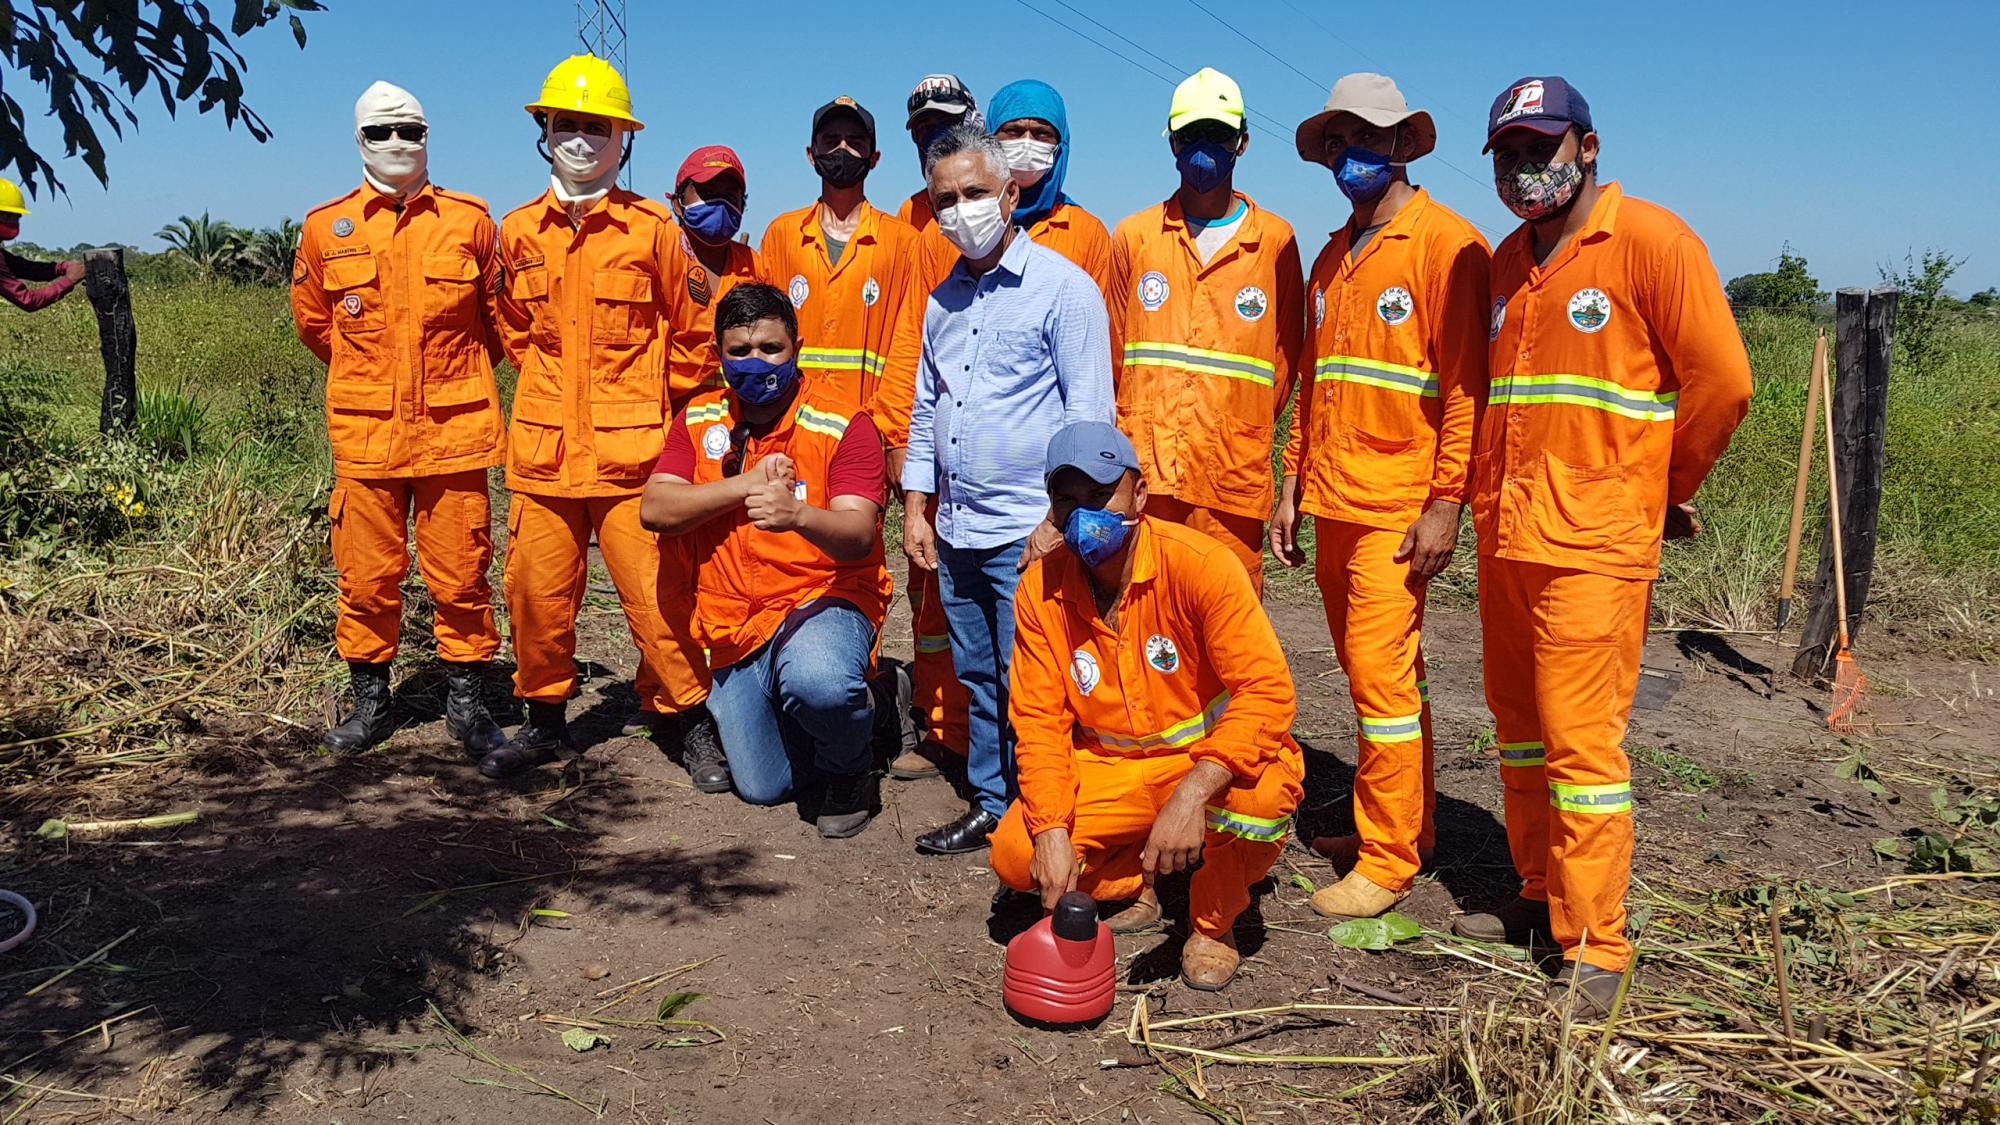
(1097, 449)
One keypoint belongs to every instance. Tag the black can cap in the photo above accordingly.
(1076, 917)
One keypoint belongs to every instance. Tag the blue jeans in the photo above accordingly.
(976, 587)
(803, 697)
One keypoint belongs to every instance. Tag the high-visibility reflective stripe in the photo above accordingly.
(939, 643)
(1600, 799)
(820, 422)
(1580, 390)
(1375, 373)
(1521, 753)
(1257, 829)
(1187, 732)
(842, 359)
(1399, 728)
(713, 412)
(1230, 365)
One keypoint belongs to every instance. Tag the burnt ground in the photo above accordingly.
(280, 959)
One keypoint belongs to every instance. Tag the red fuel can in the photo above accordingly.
(1064, 969)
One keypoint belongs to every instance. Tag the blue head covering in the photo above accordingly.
(1030, 98)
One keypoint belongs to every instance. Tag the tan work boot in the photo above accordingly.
(1138, 918)
(1207, 964)
(1356, 896)
(917, 763)
(1345, 851)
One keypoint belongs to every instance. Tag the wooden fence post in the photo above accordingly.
(1866, 322)
(117, 335)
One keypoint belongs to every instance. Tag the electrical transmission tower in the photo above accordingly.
(600, 28)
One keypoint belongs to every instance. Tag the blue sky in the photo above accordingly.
(1851, 136)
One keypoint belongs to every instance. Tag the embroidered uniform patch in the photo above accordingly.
(1319, 307)
(1395, 305)
(1590, 310)
(1083, 669)
(799, 290)
(1251, 303)
(1153, 290)
(343, 227)
(1499, 318)
(870, 292)
(715, 442)
(351, 303)
(1161, 654)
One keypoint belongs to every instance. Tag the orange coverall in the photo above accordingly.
(1110, 720)
(584, 319)
(394, 300)
(1618, 377)
(1206, 358)
(1383, 429)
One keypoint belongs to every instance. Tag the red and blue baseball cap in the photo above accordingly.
(1548, 105)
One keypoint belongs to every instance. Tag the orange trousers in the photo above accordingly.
(1243, 535)
(1376, 616)
(1117, 801)
(1562, 664)
(548, 569)
(371, 549)
(936, 689)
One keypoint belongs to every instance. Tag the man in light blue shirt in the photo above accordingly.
(1017, 345)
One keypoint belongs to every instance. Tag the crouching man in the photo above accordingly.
(1153, 709)
(781, 496)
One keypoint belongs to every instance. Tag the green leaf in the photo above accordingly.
(1889, 847)
(1402, 927)
(672, 1005)
(544, 912)
(579, 1040)
(1304, 884)
(53, 829)
(1361, 933)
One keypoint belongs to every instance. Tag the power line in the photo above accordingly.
(1371, 60)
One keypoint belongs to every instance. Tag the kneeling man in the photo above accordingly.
(1153, 709)
(781, 493)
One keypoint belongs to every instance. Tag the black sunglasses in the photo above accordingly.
(739, 444)
(410, 132)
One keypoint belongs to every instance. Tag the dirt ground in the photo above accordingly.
(280, 959)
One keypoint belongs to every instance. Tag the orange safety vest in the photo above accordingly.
(1208, 353)
(1397, 367)
(395, 301)
(1618, 376)
(692, 363)
(861, 321)
(583, 316)
(750, 580)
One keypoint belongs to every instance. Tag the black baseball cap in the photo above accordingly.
(1548, 105)
(844, 104)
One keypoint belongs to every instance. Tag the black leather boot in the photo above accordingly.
(465, 714)
(541, 739)
(369, 723)
(701, 751)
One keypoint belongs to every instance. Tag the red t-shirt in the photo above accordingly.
(859, 467)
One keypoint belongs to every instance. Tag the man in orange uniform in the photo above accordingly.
(1033, 126)
(1154, 710)
(1207, 313)
(1377, 456)
(584, 318)
(390, 290)
(1618, 377)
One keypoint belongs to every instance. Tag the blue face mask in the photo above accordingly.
(1095, 534)
(758, 382)
(712, 223)
(1204, 166)
(1363, 175)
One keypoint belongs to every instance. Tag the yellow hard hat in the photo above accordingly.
(12, 202)
(587, 84)
(1206, 95)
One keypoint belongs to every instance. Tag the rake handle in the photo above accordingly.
(1792, 535)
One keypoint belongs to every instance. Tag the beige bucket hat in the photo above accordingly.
(1375, 99)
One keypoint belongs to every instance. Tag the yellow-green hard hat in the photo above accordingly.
(587, 84)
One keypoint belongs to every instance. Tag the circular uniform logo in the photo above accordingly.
(1161, 653)
(1083, 669)
(799, 290)
(1499, 318)
(352, 303)
(1394, 306)
(1590, 310)
(343, 227)
(715, 442)
(1319, 307)
(1153, 291)
(1251, 303)
(870, 292)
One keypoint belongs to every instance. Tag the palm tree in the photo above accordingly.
(208, 245)
(267, 254)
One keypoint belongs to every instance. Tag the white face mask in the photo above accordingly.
(1029, 159)
(394, 166)
(974, 226)
(580, 158)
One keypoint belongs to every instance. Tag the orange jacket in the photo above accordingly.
(1069, 230)
(692, 365)
(394, 301)
(861, 321)
(751, 580)
(584, 318)
(1192, 668)
(1384, 421)
(1208, 353)
(1618, 377)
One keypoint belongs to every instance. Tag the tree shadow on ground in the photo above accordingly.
(1715, 651)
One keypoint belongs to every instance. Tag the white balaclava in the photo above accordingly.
(583, 167)
(395, 166)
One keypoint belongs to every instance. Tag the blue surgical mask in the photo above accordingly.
(757, 381)
(713, 223)
(1095, 534)
(1205, 166)
(1363, 175)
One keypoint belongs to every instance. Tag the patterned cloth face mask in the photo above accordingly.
(1538, 190)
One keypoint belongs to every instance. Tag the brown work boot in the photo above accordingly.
(916, 763)
(1344, 851)
(1523, 922)
(1208, 964)
(1143, 915)
(1591, 989)
(1356, 896)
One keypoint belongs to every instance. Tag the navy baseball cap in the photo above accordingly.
(1548, 105)
(1097, 449)
(844, 104)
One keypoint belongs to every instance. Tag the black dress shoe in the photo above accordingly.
(966, 834)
